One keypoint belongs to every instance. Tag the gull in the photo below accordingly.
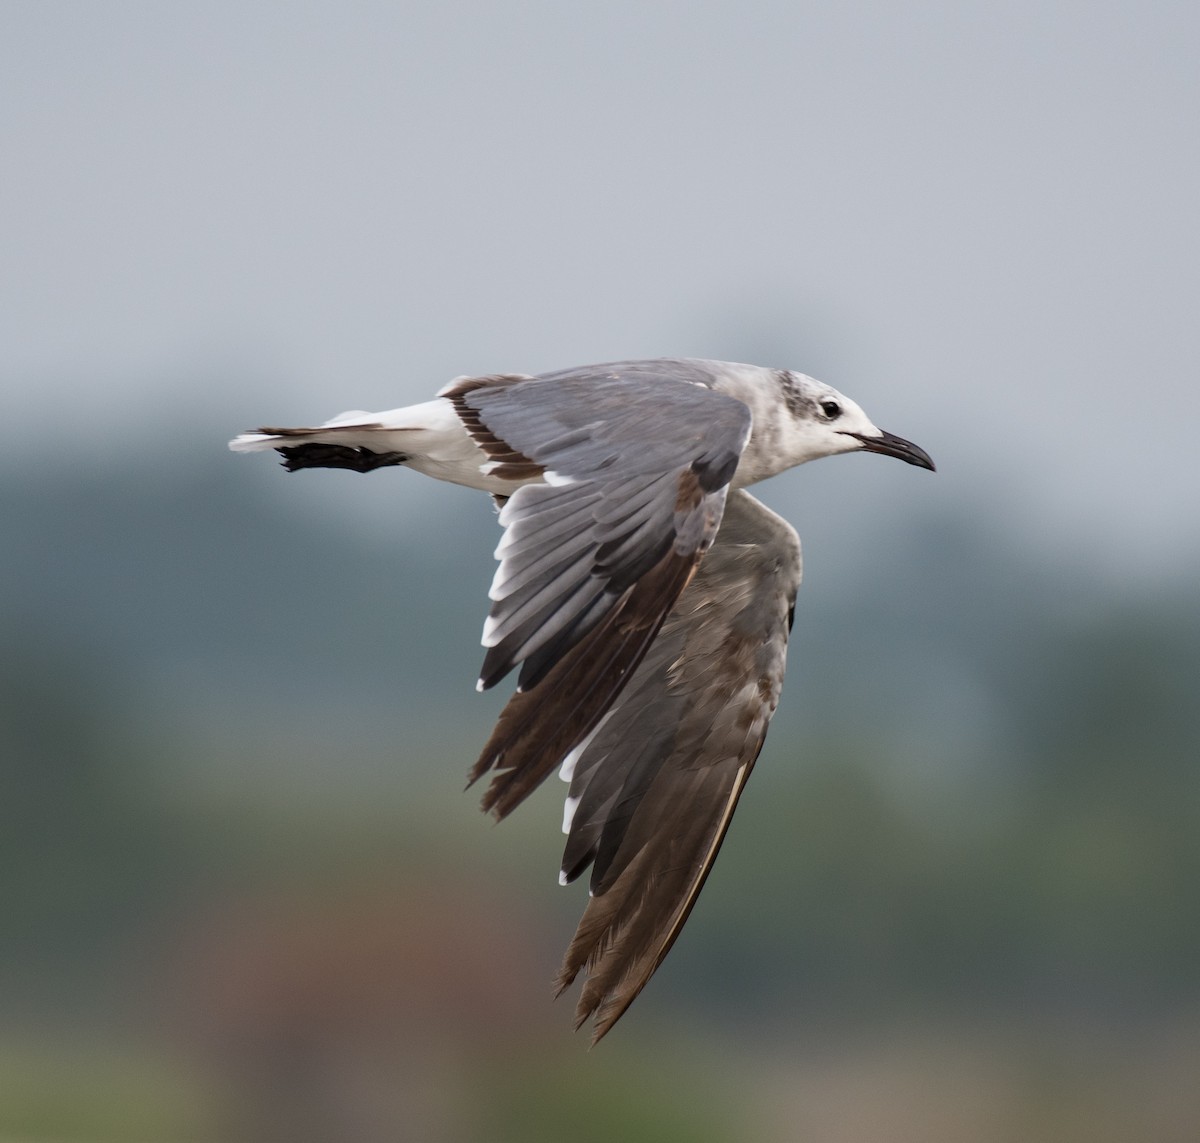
(645, 596)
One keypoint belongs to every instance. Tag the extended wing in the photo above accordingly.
(592, 560)
(652, 792)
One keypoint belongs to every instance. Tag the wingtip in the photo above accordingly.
(563, 980)
(603, 1016)
(496, 664)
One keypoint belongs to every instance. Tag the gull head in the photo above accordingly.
(820, 421)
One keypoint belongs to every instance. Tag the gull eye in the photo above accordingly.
(831, 409)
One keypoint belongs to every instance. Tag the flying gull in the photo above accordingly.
(645, 595)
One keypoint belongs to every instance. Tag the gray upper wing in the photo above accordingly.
(636, 458)
(653, 789)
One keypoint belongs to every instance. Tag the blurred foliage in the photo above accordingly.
(230, 911)
(547, 1099)
(60, 1091)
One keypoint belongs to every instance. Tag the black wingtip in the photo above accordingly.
(496, 665)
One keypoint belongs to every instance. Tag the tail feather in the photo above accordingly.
(429, 437)
(332, 433)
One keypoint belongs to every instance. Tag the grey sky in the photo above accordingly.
(978, 220)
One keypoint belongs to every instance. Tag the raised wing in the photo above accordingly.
(635, 476)
(653, 789)
(593, 560)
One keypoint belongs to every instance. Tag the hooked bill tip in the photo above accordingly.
(888, 444)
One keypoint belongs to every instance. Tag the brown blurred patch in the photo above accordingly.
(993, 1082)
(357, 1014)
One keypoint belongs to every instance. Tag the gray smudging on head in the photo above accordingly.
(797, 403)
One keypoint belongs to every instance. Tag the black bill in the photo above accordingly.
(890, 445)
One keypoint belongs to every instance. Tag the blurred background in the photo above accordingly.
(242, 894)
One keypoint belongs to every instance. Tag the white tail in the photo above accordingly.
(352, 424)
(428, 437)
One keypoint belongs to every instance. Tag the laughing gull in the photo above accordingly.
(646, 596)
